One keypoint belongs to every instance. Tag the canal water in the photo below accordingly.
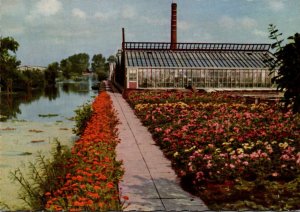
(31, 123)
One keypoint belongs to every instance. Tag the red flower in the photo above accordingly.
(109, 185)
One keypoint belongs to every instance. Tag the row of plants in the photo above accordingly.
(92, 180)
(82, 178)
(232, 154)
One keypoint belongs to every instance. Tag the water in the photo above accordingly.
(30, 123)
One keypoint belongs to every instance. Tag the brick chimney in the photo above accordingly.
(174, 26)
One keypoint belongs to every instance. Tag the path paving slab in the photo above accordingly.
(149, 180)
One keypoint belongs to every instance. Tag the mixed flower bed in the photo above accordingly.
(92, 170)
(234, 155)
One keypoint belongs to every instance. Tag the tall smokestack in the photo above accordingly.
(174, 26)
(123, 38)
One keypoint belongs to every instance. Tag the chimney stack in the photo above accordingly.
(174, 26)
(123, 38)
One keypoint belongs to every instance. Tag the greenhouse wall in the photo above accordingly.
(149, 78)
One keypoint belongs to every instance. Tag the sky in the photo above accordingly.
(51, 30)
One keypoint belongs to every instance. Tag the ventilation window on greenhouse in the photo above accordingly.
(132, 75)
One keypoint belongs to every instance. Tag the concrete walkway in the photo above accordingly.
(149, 181)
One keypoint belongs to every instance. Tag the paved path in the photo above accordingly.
(149, 181)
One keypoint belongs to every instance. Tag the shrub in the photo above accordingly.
(42, 177)
(83, 115)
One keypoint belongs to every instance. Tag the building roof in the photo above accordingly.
(196, 55)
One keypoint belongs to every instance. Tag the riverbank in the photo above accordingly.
(20, 142)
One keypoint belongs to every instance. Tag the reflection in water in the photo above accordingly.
(61, 99)
(10, 103)
(51, 92)
(77, 87)
(66, 87)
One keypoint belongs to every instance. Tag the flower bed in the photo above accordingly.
(91, 182)
(234, 155)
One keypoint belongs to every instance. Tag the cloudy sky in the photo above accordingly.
(50, 30)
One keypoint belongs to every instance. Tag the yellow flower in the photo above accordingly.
(190, 149)
(240, 151)
(175, 154)
(218, 150)
(258, 142)
(283, 145)
(232, 152)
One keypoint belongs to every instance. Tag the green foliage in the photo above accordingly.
(51, 73)
(75, 65)
(256, 195)
(102, 75)
(33, 78)
(66, 68)
(112, 59)
(8, 62)
(79, 62)
(83, 115)
(48, 115)
(286, 65)
(42, 177)
(101, 66)
(98, 63)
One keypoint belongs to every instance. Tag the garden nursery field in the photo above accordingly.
(234, 155)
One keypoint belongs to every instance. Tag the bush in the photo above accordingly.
(102, 75)
(42, 177)
(83, 115)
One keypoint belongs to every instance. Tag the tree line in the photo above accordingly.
(12, 79)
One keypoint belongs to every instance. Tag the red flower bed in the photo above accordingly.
(234, 155)
(93, 173)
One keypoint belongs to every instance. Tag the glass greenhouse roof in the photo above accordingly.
(195, 55)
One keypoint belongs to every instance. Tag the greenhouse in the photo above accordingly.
(150, 65)
(167, 65)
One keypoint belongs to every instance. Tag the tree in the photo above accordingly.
(98, 63)
(51, 73)
(8, 62)
(100, 66)
(112, 59)
(66, 68)
(79, 63)
(286, 67)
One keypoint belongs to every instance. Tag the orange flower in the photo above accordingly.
(79, 204)
(125, 197)
(82, 186)
(91, 163)
(101, 204)
(79, 178)
(94, 195)
(89, 202)
(109, 185)
(47, 194)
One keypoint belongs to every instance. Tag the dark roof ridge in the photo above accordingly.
(197, 46)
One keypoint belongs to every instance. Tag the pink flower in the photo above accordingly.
(209, 164)
(245, 163)
(285, 157)
(158, 129)
(167, 131)
(199, 175)
(236, 129)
